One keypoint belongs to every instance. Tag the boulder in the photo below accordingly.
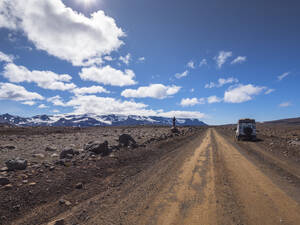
(98, 148)
(16, 164)
(68, 153)
(4, 181)
(126, 140)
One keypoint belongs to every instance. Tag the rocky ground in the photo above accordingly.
(42, 165)
(280, 140)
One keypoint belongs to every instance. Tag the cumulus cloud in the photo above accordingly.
(44, 79)
(42, 106)
(183, 114)
(14, 92)
(282, 76)
(239, 59)
(285, 104)
(180, 75)
(125, 59)
(31, 103)
(6, 58)
(142, 59)
(61, 31)
(90, 90)
(83, 104)
(108, 76)
(269, 91)
(213, 99)
(222, 58)
(222, 82)
(108, 58)
(56, 100)
(203, 62)
(159, 91)
(191, 64)
(191, 101)
(242, 93)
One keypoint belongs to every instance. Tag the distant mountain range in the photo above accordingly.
(90, 120)
(290, 121)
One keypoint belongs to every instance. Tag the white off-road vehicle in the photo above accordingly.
(246, 129)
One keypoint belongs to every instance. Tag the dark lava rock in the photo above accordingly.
(126, 140)
(16, 164)
(98, 148)
(4, 181)
(50, 149)
(79, 186)
(68, 153)
(60, 222)
(175, 130)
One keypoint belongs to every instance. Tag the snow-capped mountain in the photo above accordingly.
(89, 120)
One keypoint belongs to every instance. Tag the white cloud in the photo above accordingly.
(283, 75)
(191, 101)
(83, 104)
(108, 76)
(183, 114)
(6, 58)
(90, 90)
(42, 106)
(56, 111)
(203, 62)
(191, 64)
(285, 104)
(180, 75)
(269, 91)
(44, 79)
(192, 90)
(142, 59)
(239, 59)
(56, 100)
(222, 58)
(213, 99)
(61, 31)
(31, 103)
(242, 93)
(108, 58)
(126, 59)
(14, 92)
(222, 82)
(159, 91)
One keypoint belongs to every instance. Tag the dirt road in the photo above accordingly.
(210, 180)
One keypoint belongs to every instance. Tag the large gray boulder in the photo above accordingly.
(4, 181)
(16, 164)
(126, 140)
(98, 148)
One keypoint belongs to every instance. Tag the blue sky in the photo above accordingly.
(213, 60)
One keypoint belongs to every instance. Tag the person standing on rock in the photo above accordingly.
(174, 120)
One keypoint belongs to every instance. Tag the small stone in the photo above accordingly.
(8, 187)
(25, 181)
(50, 149)
(64, 202)
(54, 155)
(16, 164)
(51, 168)
(79, 186)
(59, 222)
(32, 184)
(38, 155)
(3, 169)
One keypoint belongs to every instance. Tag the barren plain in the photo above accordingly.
(200, 175)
